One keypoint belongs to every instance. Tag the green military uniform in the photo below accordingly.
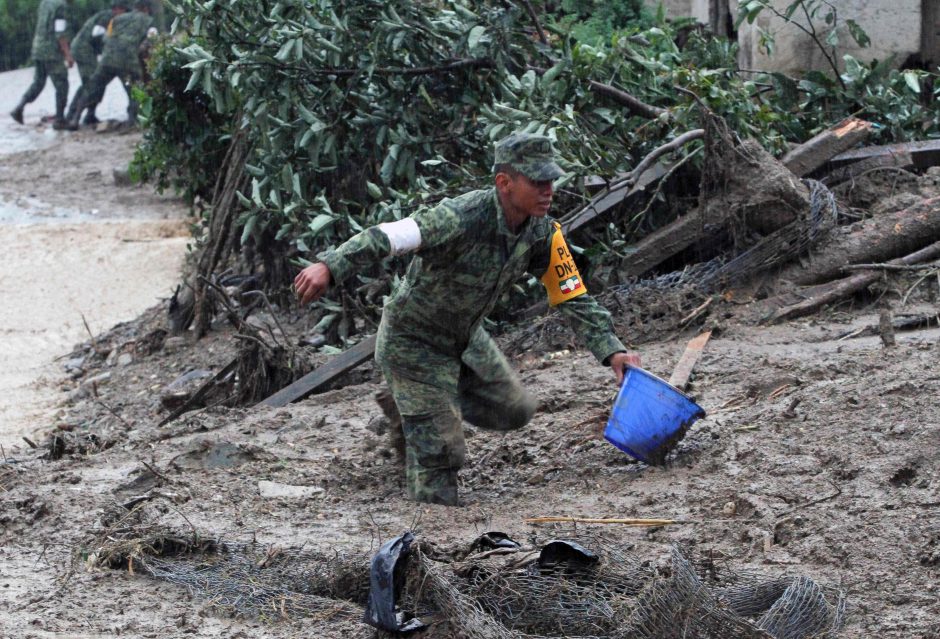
(439, 361)
(119, 59)
(52, 24)
(87, 45)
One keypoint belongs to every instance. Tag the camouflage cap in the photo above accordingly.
(530, 154)
(121, 4)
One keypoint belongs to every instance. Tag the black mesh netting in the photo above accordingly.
(515, 593)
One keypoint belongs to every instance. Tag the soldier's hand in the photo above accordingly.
(618, 361)
(69, 61)
(312, 282)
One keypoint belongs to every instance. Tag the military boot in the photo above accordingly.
(90, 117)
(17, 113)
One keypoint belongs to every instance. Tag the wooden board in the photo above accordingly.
(342, 363)
(818, 150)
(682, 373)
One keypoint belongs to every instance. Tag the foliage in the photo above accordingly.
(595, 21)
(187, 137)
(359, 112)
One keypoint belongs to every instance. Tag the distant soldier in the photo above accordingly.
(51, 55)
(119, 60)
(87, 45)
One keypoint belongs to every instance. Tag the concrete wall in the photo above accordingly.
(894, 27)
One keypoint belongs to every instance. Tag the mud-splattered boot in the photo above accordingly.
(90, 117)
(17, 113)
(396, 436)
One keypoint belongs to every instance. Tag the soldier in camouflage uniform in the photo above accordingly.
(87, 45)
(51, 55)
(440, 364)
(119, 59)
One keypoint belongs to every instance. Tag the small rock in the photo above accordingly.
(111, 359)
(729, 509)
(125, 359)
(175, 343)
(75, 364)
(273, 490)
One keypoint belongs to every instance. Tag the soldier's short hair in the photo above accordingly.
(121, 4)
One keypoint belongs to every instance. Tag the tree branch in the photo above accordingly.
(535, 19)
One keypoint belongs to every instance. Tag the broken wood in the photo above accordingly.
(877, 239)
(921, 154)
(760, 191)
(680, 376)
(590, 520)
(815, 297)
(823, 146)
(192, 402)
(886, 328)
(306, 385)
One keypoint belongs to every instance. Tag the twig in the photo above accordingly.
(199, 394)
(890, 267)
(31, 443)
(267, 303)
(535, 19)
(155, 471)
(112, 411)
(588, 520)
(811, 503)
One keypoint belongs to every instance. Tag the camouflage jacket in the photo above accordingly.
(121, 45)
(52, 23)
(467, 259)
(89, 41)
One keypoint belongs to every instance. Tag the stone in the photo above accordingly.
(274, 490)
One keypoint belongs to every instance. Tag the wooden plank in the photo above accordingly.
(922, 154)
(816, 151)
(607, 200)
(682, 373)
(306, 385)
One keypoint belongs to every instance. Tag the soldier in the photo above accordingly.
(438, 360)
(119, 59)
(50, 51)
(87, 45)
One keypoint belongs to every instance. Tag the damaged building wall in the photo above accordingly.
(905, 29)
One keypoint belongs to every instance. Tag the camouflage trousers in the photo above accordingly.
(478, 386)
(86, 70)
(93, 91)
(56, 71)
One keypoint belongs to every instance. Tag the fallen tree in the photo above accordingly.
(876, 239)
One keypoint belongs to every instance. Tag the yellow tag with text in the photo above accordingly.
(110, 28)
(561, 280)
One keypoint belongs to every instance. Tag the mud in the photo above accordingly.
(817, 457)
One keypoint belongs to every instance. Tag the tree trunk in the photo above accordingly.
(873, 240)
(761, 192)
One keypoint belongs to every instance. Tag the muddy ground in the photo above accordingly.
(818, 457)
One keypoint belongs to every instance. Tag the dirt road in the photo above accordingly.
(76, 248)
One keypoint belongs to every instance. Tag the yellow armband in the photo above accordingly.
(561, 280)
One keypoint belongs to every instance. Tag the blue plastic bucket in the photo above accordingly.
(649, 416)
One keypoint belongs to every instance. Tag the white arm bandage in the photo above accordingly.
(151, 32)
(59, 25)
(98, 30)
(403, 235)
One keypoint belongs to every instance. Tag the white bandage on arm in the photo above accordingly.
(404, 235)
(152, 32)
(59, 25)
(98, 30)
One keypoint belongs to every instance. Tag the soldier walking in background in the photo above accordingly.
(119, 59)
(52, 56)
(440, 363)
(87, 45)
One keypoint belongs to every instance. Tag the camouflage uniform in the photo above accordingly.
(86, 47)
(439, 361)
(52, 24)
(119, 59)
